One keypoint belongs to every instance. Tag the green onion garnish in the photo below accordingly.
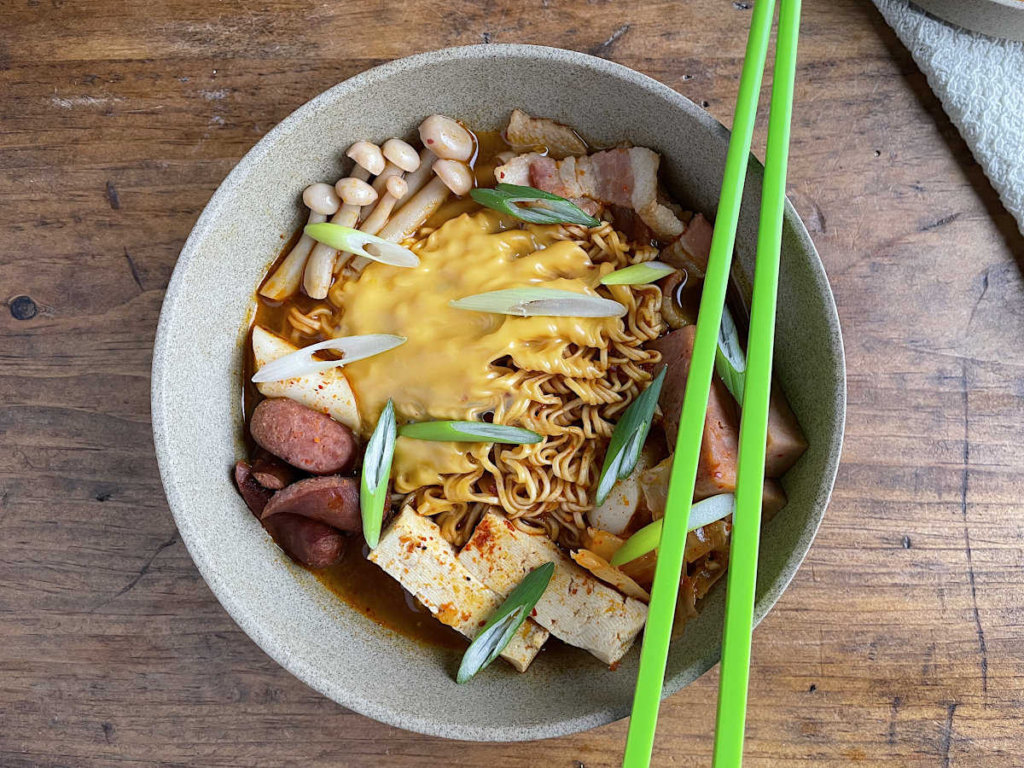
(353, 241)
(373, 485)
(546, 209)
(638, 274)
(505, 622)
(730, 362)
(302, 363)
(628, 438)
(468, 432)
(540, 302)
(648, 538)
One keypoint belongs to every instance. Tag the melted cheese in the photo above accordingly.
(445, 370)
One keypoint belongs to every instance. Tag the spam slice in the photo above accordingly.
(786, 442)
(716, 471)
(691, 249)
(576, 607)
(413, 552)
(325, 391)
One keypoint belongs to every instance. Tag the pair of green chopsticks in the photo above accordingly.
(732, 693)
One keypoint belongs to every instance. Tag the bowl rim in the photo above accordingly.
(162, 413)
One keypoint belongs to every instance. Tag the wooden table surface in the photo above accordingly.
(901, 640)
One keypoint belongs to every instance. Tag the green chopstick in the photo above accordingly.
(661, 613)
(746, 521)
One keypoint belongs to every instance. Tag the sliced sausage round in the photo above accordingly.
(307, 439)
(254, 494)
(308, 542)
(271, 472)
(331, 500)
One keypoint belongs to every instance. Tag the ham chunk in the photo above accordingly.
(716, 471)
(575, 607)
(413, 552)
(786, 442)
(560, 141)
(626, 177)
(772, 500)
(691, 249)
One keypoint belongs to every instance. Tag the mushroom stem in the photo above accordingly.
(415, 180)
(320, 267)
(286, 278)
(390, 171)
(378, 217)
(416, 211)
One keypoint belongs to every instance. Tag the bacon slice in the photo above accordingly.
(626, 177)
(516, 170)
(525, 132)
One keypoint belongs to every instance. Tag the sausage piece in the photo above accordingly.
(308, 542)
(271, 472)
(307, 439)
(330, 500)
(255, 495)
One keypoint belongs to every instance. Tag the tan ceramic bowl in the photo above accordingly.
(198, 355)
(998, 18)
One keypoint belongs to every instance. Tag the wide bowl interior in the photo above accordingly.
(196, 389)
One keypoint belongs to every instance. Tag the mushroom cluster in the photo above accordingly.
(390, 192)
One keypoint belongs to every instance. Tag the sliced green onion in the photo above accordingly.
(505, 622)
(648, 538)
(730, 362)
(638, 274)
(301, 362)
(546, 209)
(628, 438)
(353, 241)
(468, 432)
(540, 302)
(373, 485)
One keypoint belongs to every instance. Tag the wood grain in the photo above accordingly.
(900, 640)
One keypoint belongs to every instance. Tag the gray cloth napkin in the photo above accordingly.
(980, 82)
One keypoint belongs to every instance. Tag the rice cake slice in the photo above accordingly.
(576, 607)
(413, 552)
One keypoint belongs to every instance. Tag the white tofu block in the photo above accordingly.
(576, 607)
(413, 551)
(325, 391)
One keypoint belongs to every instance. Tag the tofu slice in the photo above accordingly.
(618, 508)
(413, 551)
(576, 607)
(326, 391)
